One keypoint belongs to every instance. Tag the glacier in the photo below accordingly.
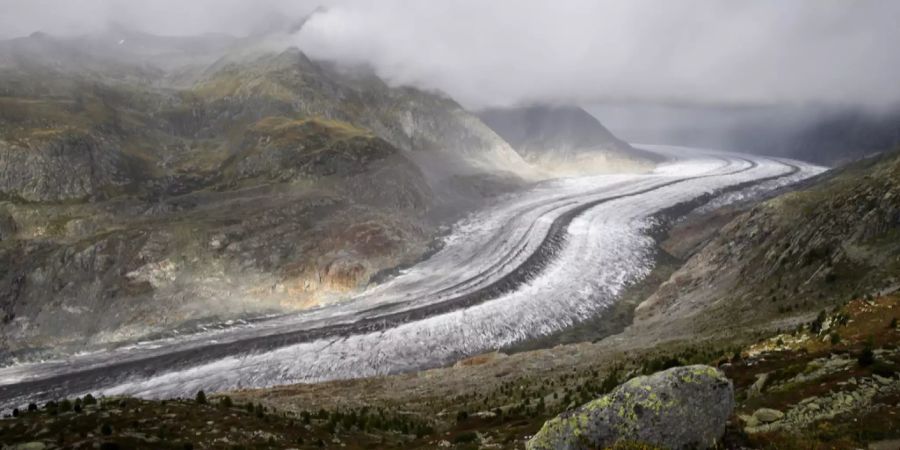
(530, 264)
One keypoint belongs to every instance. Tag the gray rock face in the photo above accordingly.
(683, 407)
(60, 166)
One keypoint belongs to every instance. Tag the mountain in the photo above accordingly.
(152, 184)
(565, 139)
(829, 135)
(833, 137)
(791, 256)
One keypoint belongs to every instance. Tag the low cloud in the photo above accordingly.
(503, 52)
(164, 17)
(588, 51)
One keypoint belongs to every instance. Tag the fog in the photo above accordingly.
(577, 51)
(583, 51)
(706, 126)
(164, 17)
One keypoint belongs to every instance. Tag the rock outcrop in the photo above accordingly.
(682, 407)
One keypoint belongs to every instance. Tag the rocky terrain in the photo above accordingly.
(152, 185)
(796, 390)
(566, 140)
(682, 407)
(789, 256)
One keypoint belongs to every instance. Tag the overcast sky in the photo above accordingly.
(488, 53)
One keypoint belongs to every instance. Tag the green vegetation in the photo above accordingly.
(200, 398)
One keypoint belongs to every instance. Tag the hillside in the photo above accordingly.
(566, 140)
(793, 255)
(833, 137)
(153, 185)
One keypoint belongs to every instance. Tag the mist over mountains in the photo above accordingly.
(508, 53)
(292, 181)
(830, 135)
(565, 139)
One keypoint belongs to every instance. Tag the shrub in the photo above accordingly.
(226, 402)
(201, 397)
(866, 357)
(89, 400)
(835, 339)
(464, 438)
(65, 405)
(883, 370)
(32, 407)
(893, 324)
(106, 429)
(633, 445)
(461, 416)
(610, 382)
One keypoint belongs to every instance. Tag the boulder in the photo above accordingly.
(758, 385)
(767, 415)
(29, 446)
(683, 407)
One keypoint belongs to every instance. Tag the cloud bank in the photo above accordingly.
(585, 51)
(503, 52)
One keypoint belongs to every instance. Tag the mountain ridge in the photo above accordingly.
(143, 194)
(566, 139)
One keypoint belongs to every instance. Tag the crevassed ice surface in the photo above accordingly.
(606, 247)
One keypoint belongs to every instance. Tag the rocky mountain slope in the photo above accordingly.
(795, 254)
(150, 184)
(565, 140)
(834, 137)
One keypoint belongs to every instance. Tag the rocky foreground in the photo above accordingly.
(833, 383)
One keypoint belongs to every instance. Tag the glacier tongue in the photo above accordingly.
(604, 247)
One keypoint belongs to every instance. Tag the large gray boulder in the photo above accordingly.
(683, 407)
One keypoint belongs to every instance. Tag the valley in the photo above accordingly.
(460, 225)
(535, 263)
